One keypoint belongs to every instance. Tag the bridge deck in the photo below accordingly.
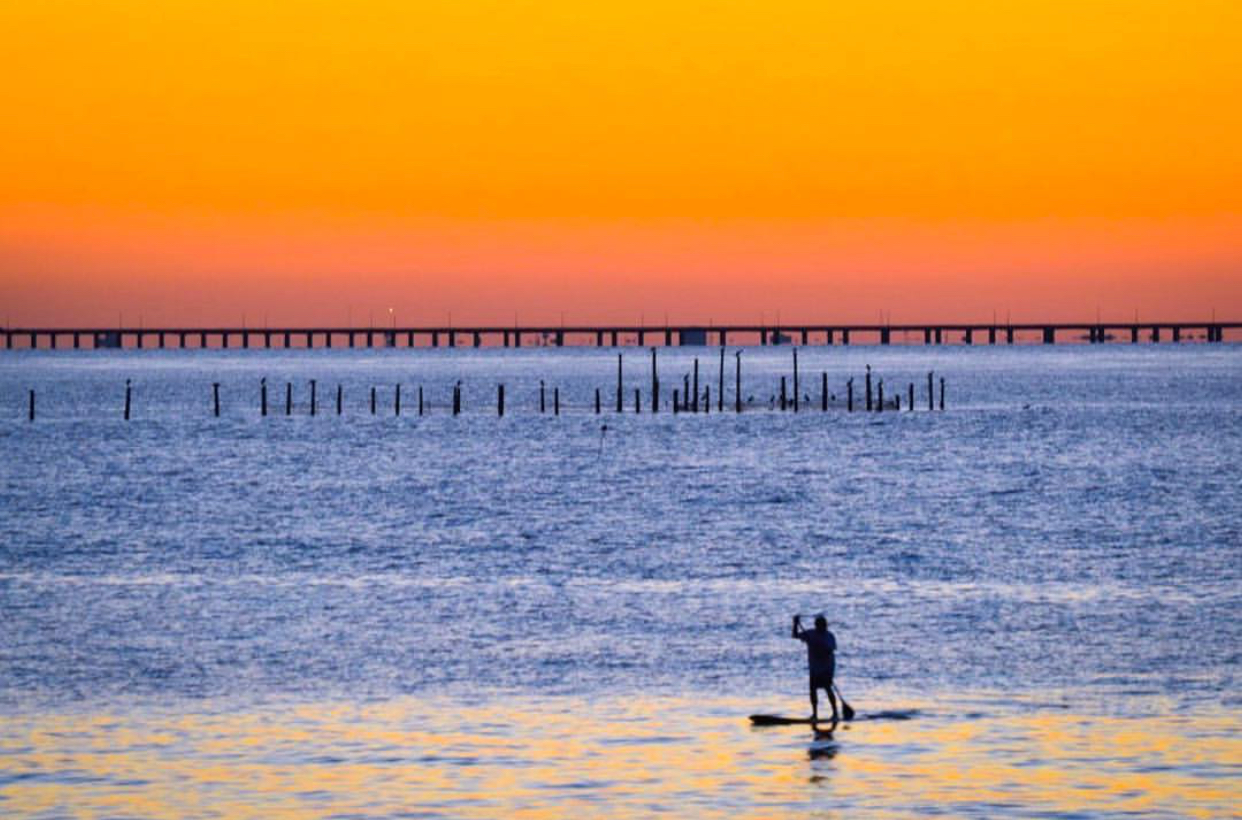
(616, 335)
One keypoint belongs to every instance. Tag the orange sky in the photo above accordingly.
(194, 162)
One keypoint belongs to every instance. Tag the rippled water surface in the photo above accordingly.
(1037, 592)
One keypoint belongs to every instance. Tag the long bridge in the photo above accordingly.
(615, 335)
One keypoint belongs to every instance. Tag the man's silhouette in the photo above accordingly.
(821, 660)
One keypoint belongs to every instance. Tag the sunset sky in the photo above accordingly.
(197, 162)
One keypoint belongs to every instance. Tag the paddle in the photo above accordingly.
(847, 711)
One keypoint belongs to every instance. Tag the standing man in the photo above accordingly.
(821, 661)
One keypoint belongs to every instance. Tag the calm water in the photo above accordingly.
(1037, 593)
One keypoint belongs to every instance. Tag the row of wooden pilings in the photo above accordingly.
(687, 399)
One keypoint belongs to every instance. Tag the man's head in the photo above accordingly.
(821, 623)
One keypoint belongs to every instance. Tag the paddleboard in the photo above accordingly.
(780, 720)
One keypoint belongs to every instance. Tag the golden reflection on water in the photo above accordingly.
(559, 757)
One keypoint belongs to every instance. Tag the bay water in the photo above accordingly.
(1036, 592)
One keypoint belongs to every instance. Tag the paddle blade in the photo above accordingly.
(847, 711)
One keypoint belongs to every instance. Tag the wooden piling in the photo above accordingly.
(942, 392)
(869, 408)
(676, 404)
(457, 399)
(263, 397)
(288, 398)
(597, 401)
(849, 395)
(880, 404)
(655, 384)
(543, 402)
(737, 383)
(823, 392)
(31, 416)
(795, 378)
(420, 400)
(931, 398)
(638, 401)
(340, 399)
(127, 399)
(782, 393)
(396, 401)
(556, 401)
(720, 383)
(215, 397)
(685, 391)
(500, 400)
(314, 397)
(619, 385)
(910, 398)
(695, 404)
(373, 400)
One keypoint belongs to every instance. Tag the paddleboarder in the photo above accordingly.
(821, 660)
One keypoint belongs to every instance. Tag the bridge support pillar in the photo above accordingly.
(1050, 336)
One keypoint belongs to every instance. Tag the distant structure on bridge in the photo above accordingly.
(938, 333)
